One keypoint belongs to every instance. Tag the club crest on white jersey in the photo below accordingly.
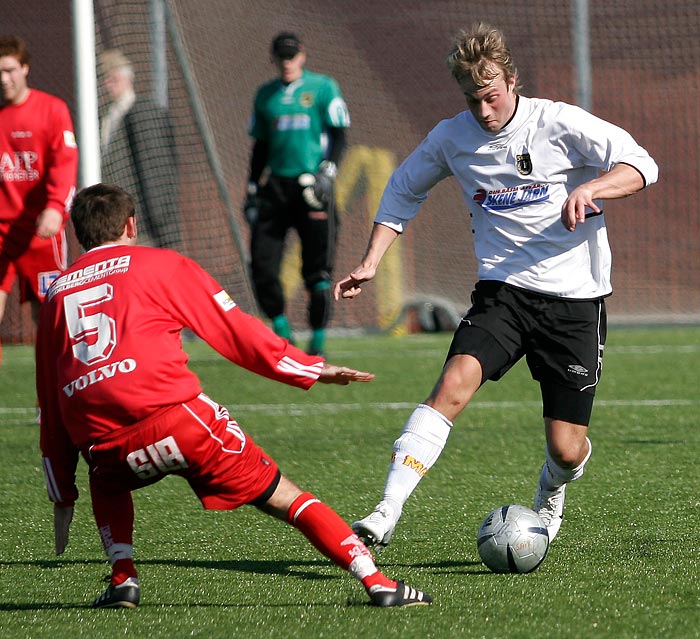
(523, 163)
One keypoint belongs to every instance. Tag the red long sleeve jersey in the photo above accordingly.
(109, 351)
(38, 159)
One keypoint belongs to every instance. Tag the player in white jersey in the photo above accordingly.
(533, 174)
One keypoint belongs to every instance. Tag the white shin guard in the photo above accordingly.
(119, 551)
(415, 451)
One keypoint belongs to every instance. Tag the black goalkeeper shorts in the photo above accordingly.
(562, 341)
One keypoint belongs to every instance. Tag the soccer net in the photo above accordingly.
(388, 58)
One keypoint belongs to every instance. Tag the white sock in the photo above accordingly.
(415, 451)
(119, 551)
(553, 476)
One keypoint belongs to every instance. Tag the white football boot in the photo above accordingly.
(549, 505)
(377, 528)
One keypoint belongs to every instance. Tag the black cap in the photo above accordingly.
(286, 45)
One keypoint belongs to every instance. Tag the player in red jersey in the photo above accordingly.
(114, 386)
(38, 168)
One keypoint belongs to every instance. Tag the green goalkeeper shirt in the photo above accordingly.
(292, 119)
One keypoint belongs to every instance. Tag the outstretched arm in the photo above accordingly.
(379, 242)
(621, 181)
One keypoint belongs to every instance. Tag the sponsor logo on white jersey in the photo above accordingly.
(512, 198)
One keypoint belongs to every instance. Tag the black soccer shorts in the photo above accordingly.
(562, 341)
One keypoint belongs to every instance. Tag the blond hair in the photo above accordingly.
(480, 55)
(115, 60)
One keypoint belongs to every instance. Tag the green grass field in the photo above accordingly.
(625, 564)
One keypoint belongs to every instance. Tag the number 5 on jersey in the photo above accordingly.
(93, 333)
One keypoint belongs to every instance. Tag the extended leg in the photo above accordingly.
(332, 537)
(420, 444)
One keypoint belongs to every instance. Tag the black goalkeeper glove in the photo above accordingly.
(317, 189)
(250, 207)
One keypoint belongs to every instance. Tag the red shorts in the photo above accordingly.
(36, 261)
(197, 440)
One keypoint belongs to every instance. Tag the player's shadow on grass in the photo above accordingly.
(294, 568)
(299, 569)
(261, 567)
(439, 567)
(54, 605)
(8, 607)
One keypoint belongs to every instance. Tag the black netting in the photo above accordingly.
(389, 60)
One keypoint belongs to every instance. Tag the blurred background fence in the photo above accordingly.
(388, 56)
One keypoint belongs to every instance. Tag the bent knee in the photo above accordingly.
(459, 380)
(568, 458)
(570, 451)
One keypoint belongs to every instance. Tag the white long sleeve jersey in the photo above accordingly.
(514, 183)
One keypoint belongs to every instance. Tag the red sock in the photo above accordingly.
(378, 579)
(122, 570)
(332, 537)
(114, 515)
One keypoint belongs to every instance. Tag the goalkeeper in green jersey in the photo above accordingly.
(298, 126)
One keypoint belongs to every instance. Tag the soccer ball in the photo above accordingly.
(512, 539)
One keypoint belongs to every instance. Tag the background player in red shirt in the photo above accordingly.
(114, 386)
(38, 168)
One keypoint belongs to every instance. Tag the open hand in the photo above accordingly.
(342, 375)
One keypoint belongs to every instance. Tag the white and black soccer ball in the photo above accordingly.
(512, 539)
